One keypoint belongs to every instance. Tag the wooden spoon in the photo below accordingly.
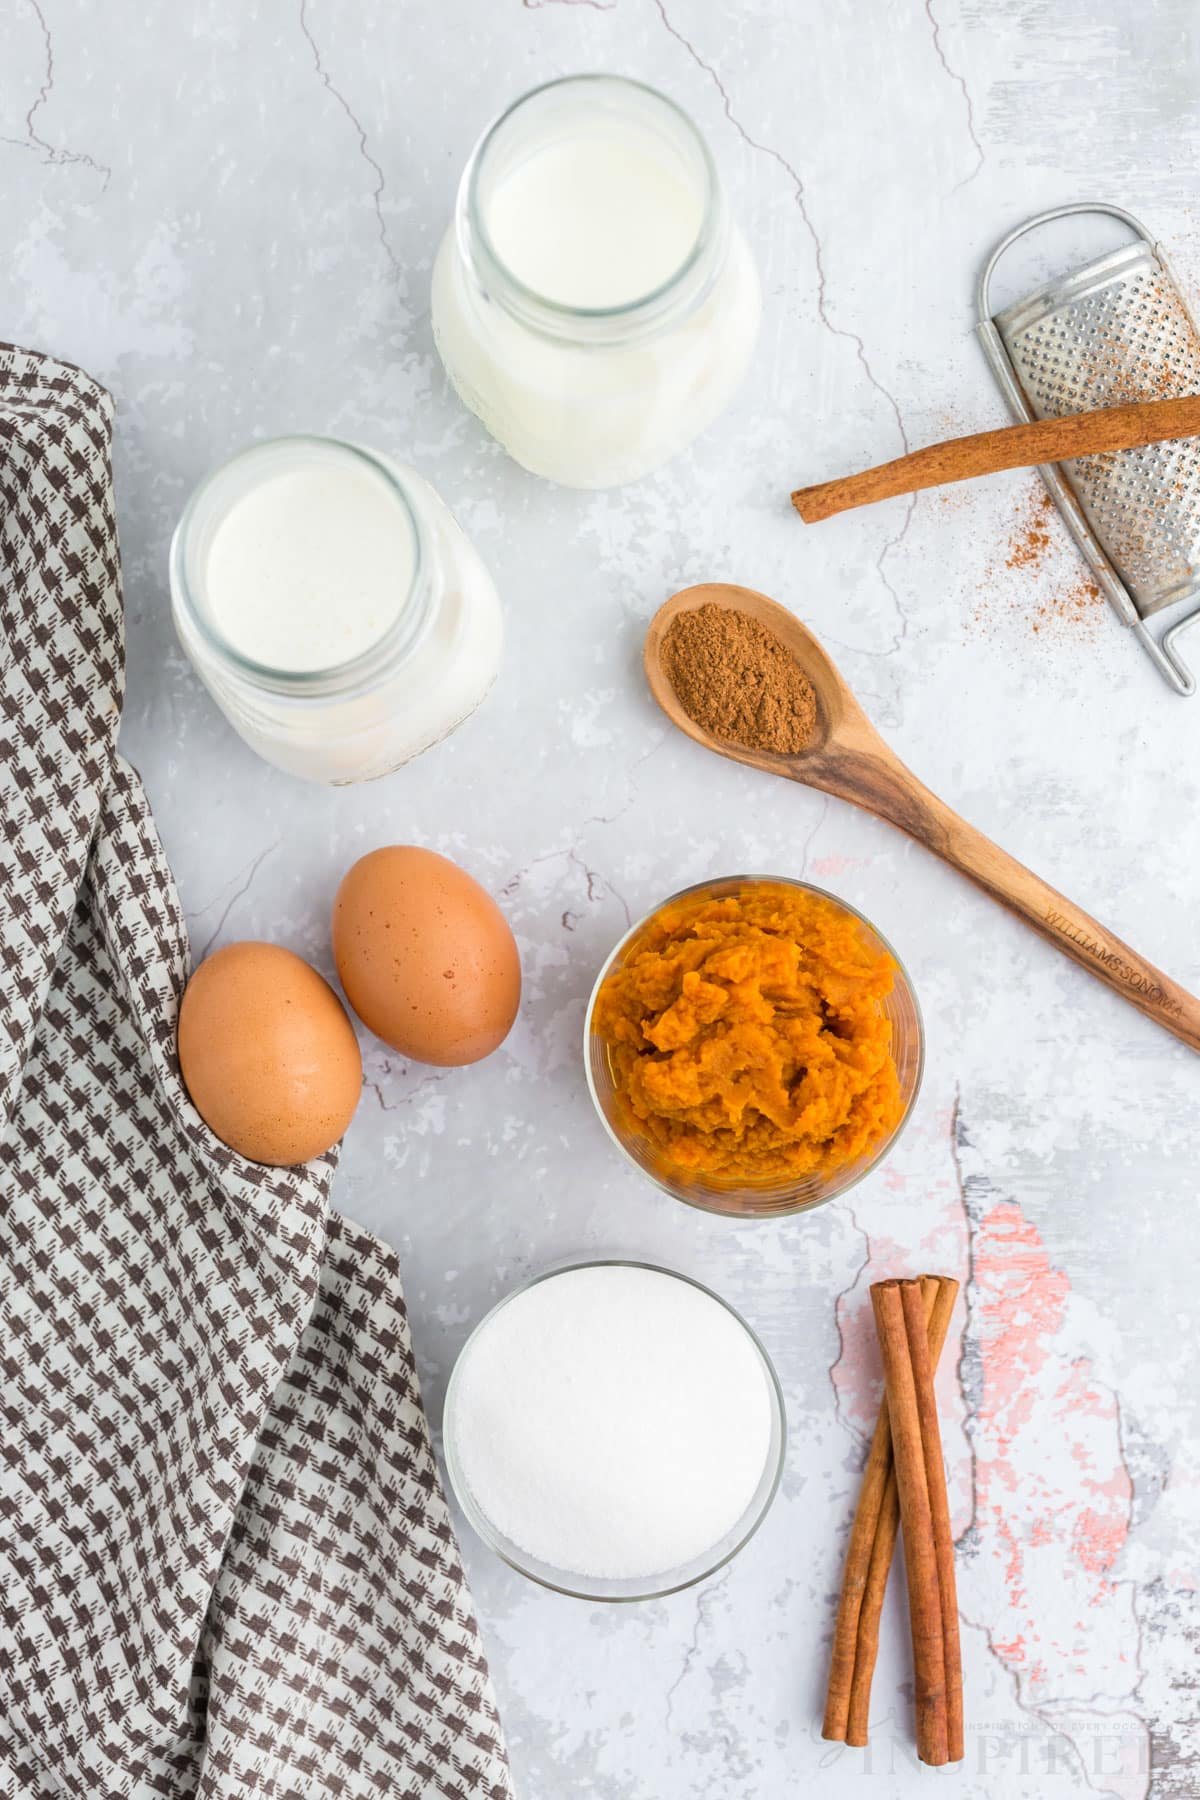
(847, 757)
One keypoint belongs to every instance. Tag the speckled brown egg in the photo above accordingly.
(426, 957)
(268, 1054)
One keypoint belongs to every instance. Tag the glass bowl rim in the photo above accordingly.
(787, 1210)
(482, 1525)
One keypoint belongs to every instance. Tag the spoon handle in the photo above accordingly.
(882, 784)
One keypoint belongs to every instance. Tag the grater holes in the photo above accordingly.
(1126, 340)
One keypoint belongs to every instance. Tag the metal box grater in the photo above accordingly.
(1115, 331)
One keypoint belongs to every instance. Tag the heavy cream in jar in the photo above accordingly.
(593, 302)
(337, 614)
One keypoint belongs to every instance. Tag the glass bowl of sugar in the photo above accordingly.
(614, 1430)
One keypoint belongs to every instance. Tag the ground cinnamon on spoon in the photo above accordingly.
(736, 680)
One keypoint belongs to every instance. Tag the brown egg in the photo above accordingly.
(426, 957)
(268, 1054)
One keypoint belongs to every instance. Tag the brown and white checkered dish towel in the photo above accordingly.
(226, 1565)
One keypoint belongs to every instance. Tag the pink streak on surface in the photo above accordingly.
(1053, 1494)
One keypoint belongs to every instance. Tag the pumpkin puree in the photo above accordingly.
(746, 1038)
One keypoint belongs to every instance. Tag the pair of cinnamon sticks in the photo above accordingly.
(904, 1485)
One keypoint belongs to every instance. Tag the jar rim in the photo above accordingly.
(688, 284)
(395, 644)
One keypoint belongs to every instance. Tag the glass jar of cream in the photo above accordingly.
(593, 302)
(332, 607)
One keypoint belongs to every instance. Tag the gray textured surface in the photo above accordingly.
(228, 214)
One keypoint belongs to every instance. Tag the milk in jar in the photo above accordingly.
(593, 301)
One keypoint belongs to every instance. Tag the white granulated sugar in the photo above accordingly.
(612, 1422)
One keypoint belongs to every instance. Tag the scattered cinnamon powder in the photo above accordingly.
(1031, 539)
(1073, 607)
(734, 677)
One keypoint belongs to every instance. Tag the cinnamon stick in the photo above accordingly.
(1012, 447)
(939, 1293)
(866, 1646)
(920, 1555)
(876, 1500)
(939, 1507)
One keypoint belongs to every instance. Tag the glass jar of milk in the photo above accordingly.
(593, 302)
(332, 607)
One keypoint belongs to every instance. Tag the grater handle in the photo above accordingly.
(1165, 656)
(983, 292)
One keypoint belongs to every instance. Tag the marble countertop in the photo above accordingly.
(228, 214)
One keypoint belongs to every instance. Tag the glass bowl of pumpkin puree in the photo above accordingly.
(754, 1046)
